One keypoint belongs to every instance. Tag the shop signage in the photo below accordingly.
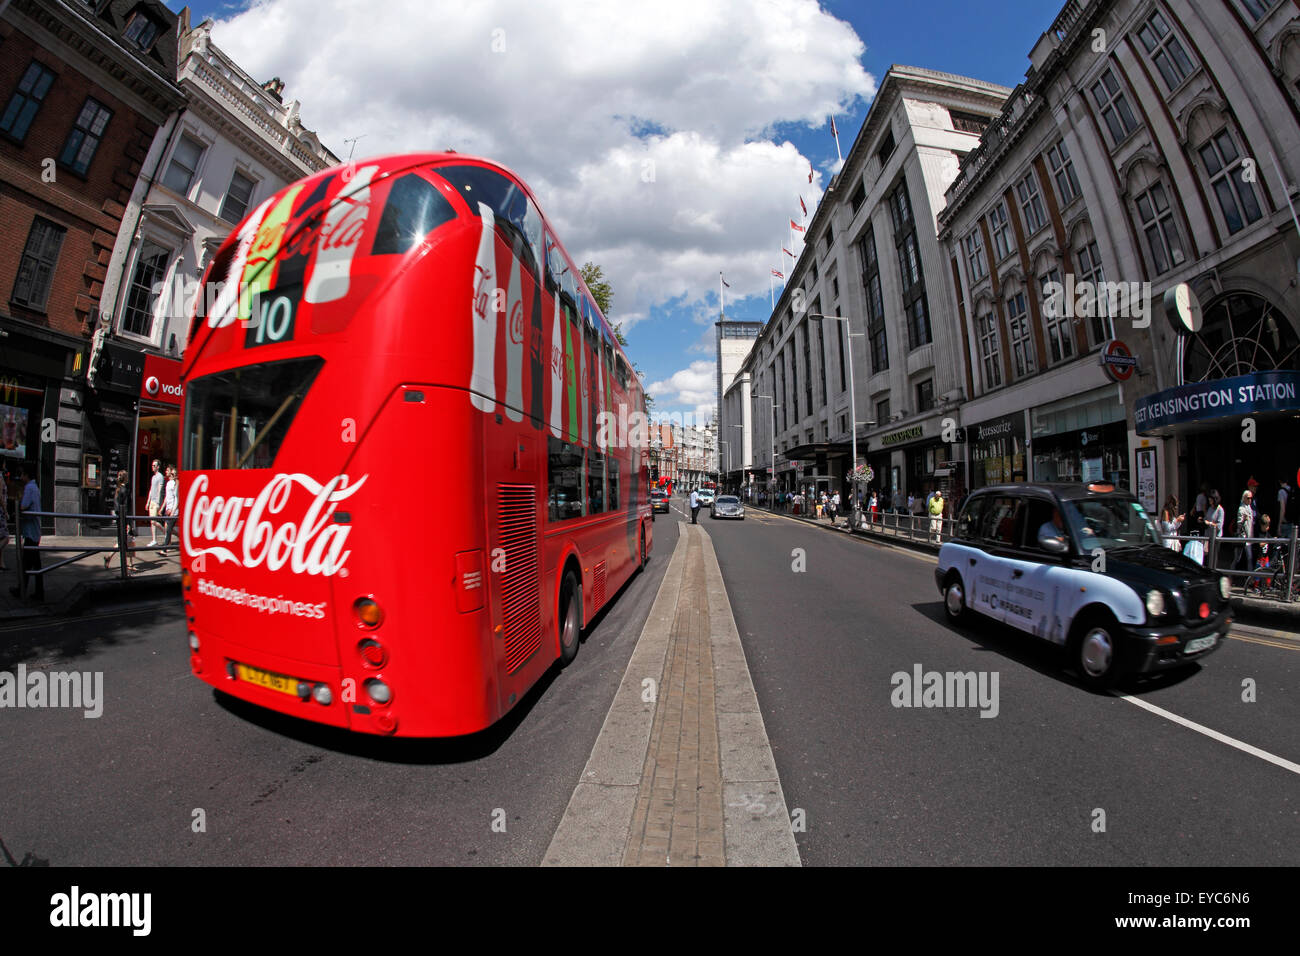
(162, 380)
(120, 369)
(1223, 398)
(898, 437)
(1117, 361)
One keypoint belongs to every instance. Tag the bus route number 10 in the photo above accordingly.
(272, 321)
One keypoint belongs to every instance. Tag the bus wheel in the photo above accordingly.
(570, 615)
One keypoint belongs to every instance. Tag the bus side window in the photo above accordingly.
(613, 465)
(563, 480)
(622, 373)
(595, 482)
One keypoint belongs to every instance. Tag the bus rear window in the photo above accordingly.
(238, 419)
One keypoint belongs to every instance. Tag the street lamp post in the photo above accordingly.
(772, 439)
(853, 399)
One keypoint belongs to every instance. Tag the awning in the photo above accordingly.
(815, 449)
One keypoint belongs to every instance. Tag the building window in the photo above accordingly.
(1163, 240)
(237, 198)
(26, 101)
(1090, 271)
(807, 367)
(876, 334)
(141, 30)
(821, 348)
(84, 138)
(1258, 9)
(835, 287)
(882, 412)
(1060, 340)
(794, 378)
(1114, 107)
(1067, 185)
(150, 269)
(36, 268)
(1237, 197)
(1165, 50)
(841, 336)
(815, 274)
(858, 198)
(1031, 204)
(909, 265)
(185, 162)
(1001, 231)
(1021, 341)
(968, 122)
(974, 243)
(925, 395)
(990, 349)
(886, 148)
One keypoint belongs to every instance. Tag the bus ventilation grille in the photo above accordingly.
(598, 585)
(520, 597)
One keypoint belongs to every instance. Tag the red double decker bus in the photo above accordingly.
(411, 467)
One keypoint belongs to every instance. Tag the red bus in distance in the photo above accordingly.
(411, 464)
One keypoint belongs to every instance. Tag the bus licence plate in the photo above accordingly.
(278, 682)
(1200, 644)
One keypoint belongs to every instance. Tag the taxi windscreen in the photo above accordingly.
(1109, 523)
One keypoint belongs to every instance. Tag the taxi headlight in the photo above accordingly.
(1225, 587)
(1155, 603)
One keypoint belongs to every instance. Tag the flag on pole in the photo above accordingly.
(724, 281)
(836, 133)
(779, 275)
(810, 172)
(788, 253)
(802, 206)
(795, 225)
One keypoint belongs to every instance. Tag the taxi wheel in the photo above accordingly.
(954, 600)
(570, 616)
(1095, 653)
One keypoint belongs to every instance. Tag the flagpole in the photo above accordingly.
(770, 294)
(722, 302)
(836, 133)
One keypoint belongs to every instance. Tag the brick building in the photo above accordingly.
(84, 89)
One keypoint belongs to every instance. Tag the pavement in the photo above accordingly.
(74, 586)
(898, 531)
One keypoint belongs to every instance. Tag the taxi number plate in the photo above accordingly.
(277, 682)
(1201, 644)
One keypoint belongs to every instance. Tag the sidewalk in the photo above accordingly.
(1246, 609)
(682, 773)
(70, 588)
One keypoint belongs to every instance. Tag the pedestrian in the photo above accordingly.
(695, 505)
(1255, 583)
(1245, 529)
(29, 530)
(1283, 499)
(911, 503)
(155, 503)
(4, 517)
(936, 516)
(171, 505)
(122, 509)
(872, 504)
(835, 507)
(1202, 503)
(1170, 522)
(1214, 512)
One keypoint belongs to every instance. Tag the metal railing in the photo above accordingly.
(121, 548)
(1213, 544)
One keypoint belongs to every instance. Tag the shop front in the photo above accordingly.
(1083, 438)
(157, 433)
(997, 451)
(1229, 430)
(916, 460)
(112, 409)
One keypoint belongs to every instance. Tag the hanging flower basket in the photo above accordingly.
(863, 474)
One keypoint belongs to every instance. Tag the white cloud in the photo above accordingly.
(645, 129)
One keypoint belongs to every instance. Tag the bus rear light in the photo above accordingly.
(196, 663)
(368, 613)
(230, 669)
(373, 654)
(386, 722)
(323, 695)
(187, 579)
(194, 641)
(469, 581)
(379, 692)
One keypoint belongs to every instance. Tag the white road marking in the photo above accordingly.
(1212, 734)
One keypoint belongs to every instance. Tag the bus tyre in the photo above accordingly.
(954, 600)
(570, 617)
(1095, 652)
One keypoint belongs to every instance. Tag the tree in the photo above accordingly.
(601, 290)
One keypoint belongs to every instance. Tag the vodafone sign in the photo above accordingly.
(161, 381)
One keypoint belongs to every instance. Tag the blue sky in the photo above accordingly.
(719, 99)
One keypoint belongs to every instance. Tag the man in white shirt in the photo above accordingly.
(156, 485)
(695, 505)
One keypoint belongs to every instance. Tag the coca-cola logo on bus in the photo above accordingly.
(265, 530)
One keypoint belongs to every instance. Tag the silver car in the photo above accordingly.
(728, 506)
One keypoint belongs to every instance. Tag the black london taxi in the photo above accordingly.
(1082, 566)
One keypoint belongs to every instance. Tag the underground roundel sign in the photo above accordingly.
(1117, 361)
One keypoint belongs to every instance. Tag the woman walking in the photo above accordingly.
(1169, 523)
(171, 506)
